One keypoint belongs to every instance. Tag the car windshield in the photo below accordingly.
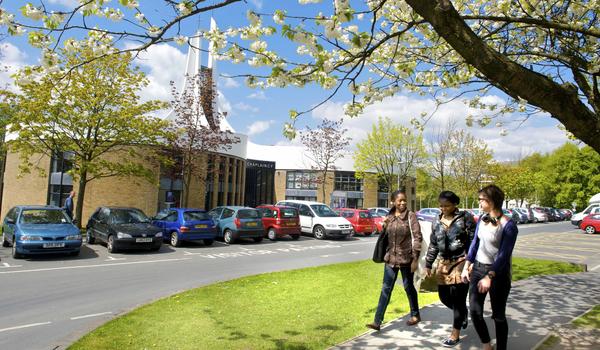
(323, 211)
(288, 213)
(43, 216)
(248, 214)
(195, 216)
(364, 214)
(128, 216)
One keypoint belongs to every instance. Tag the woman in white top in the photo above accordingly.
(488, 267)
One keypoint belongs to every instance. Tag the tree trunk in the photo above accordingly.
(561, 101)
(323, 187)
(80, 198)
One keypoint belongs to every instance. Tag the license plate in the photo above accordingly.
(346, 232)
(291, 224)
(143, 240)
(53, 245)
(251, 224)
(201, 226)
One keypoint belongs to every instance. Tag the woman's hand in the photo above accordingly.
(428, 272)
(466, 273)
(484, 285)
(414, 264)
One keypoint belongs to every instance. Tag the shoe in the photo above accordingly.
(465, 323)
(374, 326)
(413, 320)
(450, 343)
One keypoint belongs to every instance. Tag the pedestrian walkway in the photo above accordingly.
(535, 306)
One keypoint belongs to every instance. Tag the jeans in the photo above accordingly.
(454, 296)
(499, 290)
(390, 274)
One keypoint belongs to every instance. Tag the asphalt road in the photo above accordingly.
(49, 302)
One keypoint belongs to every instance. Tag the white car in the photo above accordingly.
(591, 209)
(319, 219)
(379, 211)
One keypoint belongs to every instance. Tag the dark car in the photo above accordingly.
(123, 228)
(516, 217)
(279, 221)
(186, 224)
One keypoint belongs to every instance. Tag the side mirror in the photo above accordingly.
(10, 221)
(75, 221)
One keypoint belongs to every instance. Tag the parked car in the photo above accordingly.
(234, 223)
(279, 221)
(379, 211)
(319, 219)
(539, 215)
(428, 214)
(591, 209)
(591, 223)
(361, 220)
(523, 217)
(516, 217)
(185, 224)
(378, 221)
(39, 230)
(476, 212)
(123, 228)
(558, 216)
(567, 213)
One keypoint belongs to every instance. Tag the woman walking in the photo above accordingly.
(451, 235)
(489, 265)
(404, 247)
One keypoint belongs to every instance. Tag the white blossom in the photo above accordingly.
(35, 13)
(180, 39)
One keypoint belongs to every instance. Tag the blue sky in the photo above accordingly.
(261, 113)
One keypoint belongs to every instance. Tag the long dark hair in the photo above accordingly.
(395, 195)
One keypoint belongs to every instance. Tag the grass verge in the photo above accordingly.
(590, 319)
(310, 308)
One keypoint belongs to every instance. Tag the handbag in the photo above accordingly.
(380, 247)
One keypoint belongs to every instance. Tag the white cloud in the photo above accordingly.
(257, 3)
(259, 127)
(258, 95)
(11, 60)
(241, 106)
(537, 135)
(229, 82)
(163, 64)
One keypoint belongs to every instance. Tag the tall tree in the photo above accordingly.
(517, 182)
(542, 54)
(440, 148)
(469, 165)
(196, 131)
(325, 144)
(94, 113)
(390, 150)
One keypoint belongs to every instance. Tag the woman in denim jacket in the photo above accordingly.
(489, 265)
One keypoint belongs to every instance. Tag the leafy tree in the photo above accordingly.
(391, 151)
(469, 165)
(427, 192)
(440, 149)
(196, 131)
(92, 114)
(325, 145)
(517, 182)
(542, 54)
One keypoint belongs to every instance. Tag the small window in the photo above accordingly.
(305, 211)
(172, 217)
(364, 214)
(288, 213)
(268, 212)
(161, 215)
(103, 215)
(248, 214)
(195, 216)
(12, 214)
(227, 213)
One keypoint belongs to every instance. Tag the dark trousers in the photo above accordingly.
(499, 290)
(454, 296)
(390, 274)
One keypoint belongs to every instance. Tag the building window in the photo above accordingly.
(383, 203)
(346, 181)
(301, 198)
(382, 186)
(302, 180)
(60, 183)
(171, 185)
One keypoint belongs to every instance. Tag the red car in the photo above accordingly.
(591, 223)
(361, 220)
(280, 221)
(377, 219)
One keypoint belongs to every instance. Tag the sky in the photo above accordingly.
(261, 113)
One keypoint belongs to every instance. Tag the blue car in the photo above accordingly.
(39, 230)
(186, 224)
(234, 223)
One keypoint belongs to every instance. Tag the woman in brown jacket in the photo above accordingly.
(404, 247)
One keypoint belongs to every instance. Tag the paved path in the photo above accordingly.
(535, 306)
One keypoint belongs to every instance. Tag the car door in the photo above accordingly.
(8, 229)
(171, 221)
(215, 213)
(101, 225)
(226, 220)
(306, 218)
(158, 219)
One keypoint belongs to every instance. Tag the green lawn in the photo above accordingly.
(589, 319)
(310, 308)
(525, 268)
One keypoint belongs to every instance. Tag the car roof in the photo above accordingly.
(352, 209)
(187, 209)
(50, 207)
(300, 202)
(118, 207)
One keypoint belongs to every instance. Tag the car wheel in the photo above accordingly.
(175, 241)
(319, 232)
(208, 241)
(295, 237)
(272, 234)
(4, 241)
(110, 244)
(590, 229)
(367, 234)
(228, 236)
(535, 220)
(257, 239)
(89, 237)
(14, 252)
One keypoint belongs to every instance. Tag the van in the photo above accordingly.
(319, 220)
(591, 209)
